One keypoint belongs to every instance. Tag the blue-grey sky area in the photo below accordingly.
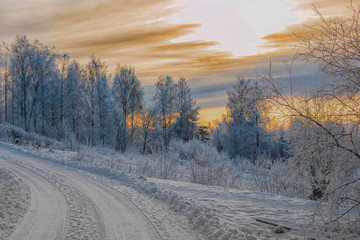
(209, 42)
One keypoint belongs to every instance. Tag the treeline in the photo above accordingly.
(46, 92)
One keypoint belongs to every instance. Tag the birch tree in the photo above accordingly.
(128, 95)
(5, 75)
(95, 71)
(165, 100)
(63, 66)
(185, 126)
(31, 65)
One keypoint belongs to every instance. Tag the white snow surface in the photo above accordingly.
(14, 201)
(70, 204)
(102, 203)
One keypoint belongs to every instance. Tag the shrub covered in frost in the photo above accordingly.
(276, 176)
(161, 165)
(16, 135)
(207, 165)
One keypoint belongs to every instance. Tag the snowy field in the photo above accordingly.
(240, 209)
(170, 209)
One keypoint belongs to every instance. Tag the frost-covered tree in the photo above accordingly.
(147, 127)
(165, 101)
(32, 66)
(218, 136)
(63, 66)
(327, 143)
(243, 129)
(103, 100)
(20, 67)
(185, 126)
(128, 96)
(5, 78)
(73, 103)
(311, 153)
(43, 67)
(95, 73)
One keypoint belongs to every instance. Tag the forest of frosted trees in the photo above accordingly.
(46, 92)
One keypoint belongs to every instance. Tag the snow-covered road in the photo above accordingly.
(66, 204)
(46, 217)
(72, 200)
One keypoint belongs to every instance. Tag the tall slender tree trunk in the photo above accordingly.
(6, 98)
(24, 111)
(132, 129)
(6, 89)
(61, 100)
(257, 132)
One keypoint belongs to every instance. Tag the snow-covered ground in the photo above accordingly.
(240, 209)
(70, 204)
(103, 203)
(14, 201)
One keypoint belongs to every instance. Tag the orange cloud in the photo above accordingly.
(291, 35)
(327, 7)
(139, 37)
(134, 32)
(138, 32)
(183, 46)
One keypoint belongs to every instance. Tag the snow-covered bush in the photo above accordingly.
(207, 165)
(16, 135)
(276, 176)
(330, 169)
(163, 165)
(167, 165)
(67, 136)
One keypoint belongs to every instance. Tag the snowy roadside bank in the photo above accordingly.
(14, 201)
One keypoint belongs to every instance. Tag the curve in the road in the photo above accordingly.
(47, 214)
(120, 218)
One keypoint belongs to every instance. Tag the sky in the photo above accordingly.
(209, 42)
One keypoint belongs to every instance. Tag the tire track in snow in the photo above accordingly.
(121, 218)
(46, 217)
(84, 221)
(14, 201)
(82, 218)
